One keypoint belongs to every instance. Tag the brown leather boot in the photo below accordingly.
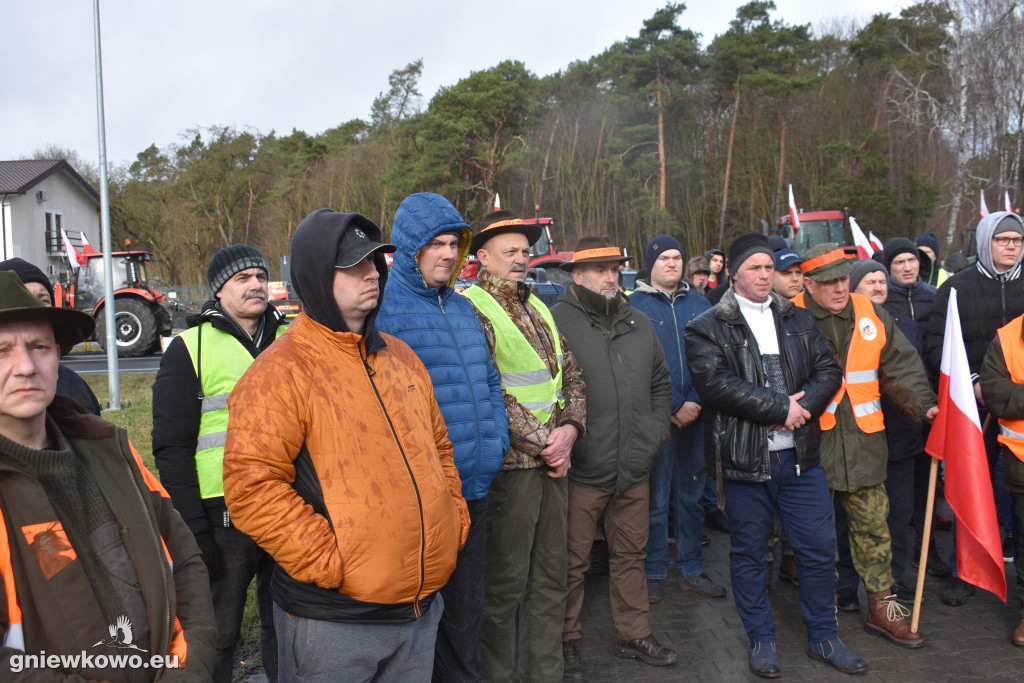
(788, 569)
(1018, 634)
(886, 618)
(572, 663)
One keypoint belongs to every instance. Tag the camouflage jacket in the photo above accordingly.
(525, 431)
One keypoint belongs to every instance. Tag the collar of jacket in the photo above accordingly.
(500, 288)
(646, 287)
(729, 308)
(1011, 274)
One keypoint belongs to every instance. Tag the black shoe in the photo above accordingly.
(655, 590)
(648, 650)
(903, 593)
(1008, 550)
(846, 600)
(572, 669)
(716, 520)
(704, 540)
(956, 592)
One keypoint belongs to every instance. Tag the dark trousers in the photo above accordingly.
(457, 650)
(672, 484)
(240, 560)
(802, 502)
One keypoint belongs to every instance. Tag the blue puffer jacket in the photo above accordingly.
(442, 328)
(670, 315)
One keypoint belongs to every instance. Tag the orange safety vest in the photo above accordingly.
(860, 378)
(14, 635)
(799, 299)
(1011, 432)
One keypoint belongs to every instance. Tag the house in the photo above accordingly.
(37, 199)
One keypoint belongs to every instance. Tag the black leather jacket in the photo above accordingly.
(726, 368)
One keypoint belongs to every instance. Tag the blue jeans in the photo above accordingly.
(240, 560)
(803, 504)
(457, 650)
(672, 484)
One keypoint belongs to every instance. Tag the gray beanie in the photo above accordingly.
(231, 260)
(862, 268)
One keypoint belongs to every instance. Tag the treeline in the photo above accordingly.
(905, 121)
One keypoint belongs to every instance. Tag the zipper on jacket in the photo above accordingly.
(910, 301)
(476, 409)
(370, 372)
(679, 345)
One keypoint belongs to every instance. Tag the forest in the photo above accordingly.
(905, 121)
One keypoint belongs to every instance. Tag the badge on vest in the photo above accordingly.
(867, 329)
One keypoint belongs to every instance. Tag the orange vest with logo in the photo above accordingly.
(1011, 432)
(860, 376)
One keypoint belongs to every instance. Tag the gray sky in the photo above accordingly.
(305, 64)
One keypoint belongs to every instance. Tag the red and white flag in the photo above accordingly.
(984, 206)
(956, 438)
(875, 242)
(793, 212)
(497, 202)
(860, 240)
(1006, 202)
(74, 258)
(86, 247)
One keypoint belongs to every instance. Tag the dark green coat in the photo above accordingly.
(628, 389)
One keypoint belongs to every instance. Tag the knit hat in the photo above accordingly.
(826, 262)
(1010, 223)
(784, 258)
(776, 243)
(862, 268)
(18, 304)
(745, 246)
(929, 240)
(231, 260)
(897, 246)
(28, 273)
(498, 223)
(660, 244)
(594, 249)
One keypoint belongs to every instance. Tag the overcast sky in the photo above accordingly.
(306, 64)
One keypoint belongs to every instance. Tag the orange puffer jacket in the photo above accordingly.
(384, 517)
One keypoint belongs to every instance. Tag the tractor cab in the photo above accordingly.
(129, 272)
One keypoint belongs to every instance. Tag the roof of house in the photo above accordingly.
(18, 177)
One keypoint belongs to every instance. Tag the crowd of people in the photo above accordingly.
(415, 477)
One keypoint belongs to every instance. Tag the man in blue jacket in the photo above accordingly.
(671, 303)
(421, 308)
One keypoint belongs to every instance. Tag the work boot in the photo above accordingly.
(648, 650)
(846, 600)
(655, 590)
(702, 584)
(572, 665)
(905, 594)
(956, 591)
(1018, 635)
(886, 618)
(788, 569)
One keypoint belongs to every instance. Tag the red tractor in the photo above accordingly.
(140, 319)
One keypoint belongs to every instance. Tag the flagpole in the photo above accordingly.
(926, 539)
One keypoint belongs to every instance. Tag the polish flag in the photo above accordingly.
(793, 212)
(1006, 198)
(875, 242)
(984, 206)
(956, 438)
(864, 248)
(497, 202)
(74, 258)
(86, 247)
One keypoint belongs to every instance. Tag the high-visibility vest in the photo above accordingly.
(219, 360)
(799, 299)
(524, 374)
(1011, 431)
(860, 376)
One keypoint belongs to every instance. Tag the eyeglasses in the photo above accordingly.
(1007, 241)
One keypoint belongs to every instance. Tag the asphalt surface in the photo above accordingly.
(971, 642)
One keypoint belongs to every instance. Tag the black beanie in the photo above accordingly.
(746, 246)
(28, 273)
(231, 260)
(929, 240)
(895, 247)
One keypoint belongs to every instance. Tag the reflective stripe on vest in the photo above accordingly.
(1011, 432)
(224, 362)
(524, 374)
(860, 379)
(14, 636)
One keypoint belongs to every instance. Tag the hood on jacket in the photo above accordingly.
(420, 218)
(646, 287)
(314, 249)
(989, 228)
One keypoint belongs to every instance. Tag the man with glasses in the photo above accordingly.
(989, 297)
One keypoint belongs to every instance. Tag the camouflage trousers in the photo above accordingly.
(870, 544)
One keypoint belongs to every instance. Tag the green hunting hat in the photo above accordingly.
(17, 304)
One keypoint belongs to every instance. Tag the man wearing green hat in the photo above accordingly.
(876, 358)
(93, 556)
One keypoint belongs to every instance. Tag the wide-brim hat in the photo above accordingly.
(826, 262)
(594, 249)
(501, 222)
(17, 304)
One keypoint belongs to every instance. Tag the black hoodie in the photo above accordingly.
(314, 250)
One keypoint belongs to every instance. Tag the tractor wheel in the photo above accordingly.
(136, 327)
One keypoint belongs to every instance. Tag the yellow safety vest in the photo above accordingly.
(1011, 432)
(860, 378)
(524, 374)
(224, 361)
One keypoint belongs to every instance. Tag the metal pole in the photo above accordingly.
(108, 247)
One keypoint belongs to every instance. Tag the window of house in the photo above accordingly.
(54, 222)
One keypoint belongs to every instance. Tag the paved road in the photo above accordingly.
(96, 364)
(962, 643)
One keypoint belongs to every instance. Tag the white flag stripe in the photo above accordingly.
(954, 363)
